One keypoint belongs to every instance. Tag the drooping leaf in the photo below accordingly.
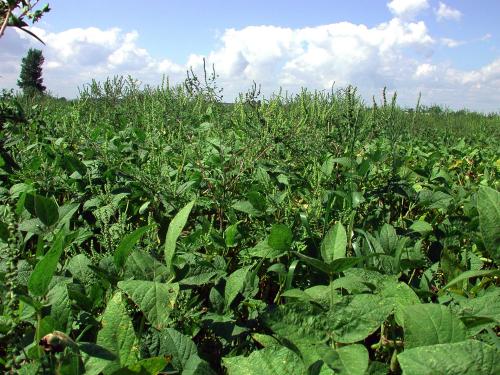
(430, 324)
(127, 244)
(334, 244)
(460, 358)
(44, 270)
(472, 274)
(156, 300)
(46, 210)
(174, 231)
(488, 206)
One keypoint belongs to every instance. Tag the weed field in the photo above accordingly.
(162, 231)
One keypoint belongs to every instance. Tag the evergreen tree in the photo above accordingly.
(30, 79)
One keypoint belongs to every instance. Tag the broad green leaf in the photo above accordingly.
(268, 361)
(398, 295)
(174, 231)
(488, 205)
(280, 238)
(430, 324)
(149, 366)
(142, 266)
(182, 350)
(334, 244)
(79, 267)
(356, 318)
(461, 358)
(246, 207)
(73, 164)
(127, 244)
(116, 335)
(421, 226)
(234, 284)
(60, 307)
(44, 270)
(487, 306)
(318, 264)
(388, 238)
(348, 360)
(230, 234)
(156, 300)
(46, 210)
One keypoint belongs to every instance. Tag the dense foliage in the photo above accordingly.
(30, 78)
(161, 231)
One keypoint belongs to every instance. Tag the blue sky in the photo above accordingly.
(449, 50)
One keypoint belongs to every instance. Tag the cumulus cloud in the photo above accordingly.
(397, 54)
(445, 12)
(407, 9)
(75, 56)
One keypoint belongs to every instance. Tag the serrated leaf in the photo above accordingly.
(127, 244)
(156, 300)
(430, 324)
(461, 358)
(44, 270)
(174, 231)
(334, 245)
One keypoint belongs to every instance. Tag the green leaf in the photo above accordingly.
(60, 307)
(149, 366)
(230, 234)
(44, 270)
(268, 361)
(117, 335)
(156, 300)
(348, 360)
(461, 358)
(388, 239)
(430, 324)
(318, 264)
(334, 244)
(280, 238)
(356, 318)
(73, 164)
(142, 266)
(488, 206)
(247, 207)
(421, 226)
(234, 284)
(174, 231)
(46, 210)
(470, 274)
(127, 244)
(180, 348)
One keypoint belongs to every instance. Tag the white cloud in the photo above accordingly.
(396, 54)
(452, 43)
(445, 12)
(407, 9)
(425, 70)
